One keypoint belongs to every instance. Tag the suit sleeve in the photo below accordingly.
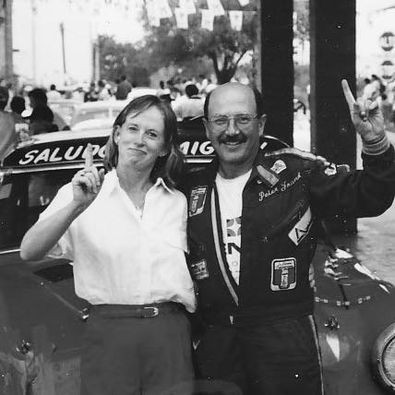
(359, 193)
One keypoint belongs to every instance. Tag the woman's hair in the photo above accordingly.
(168, 167)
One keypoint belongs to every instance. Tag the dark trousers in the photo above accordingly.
(137, 356)
(274, 358)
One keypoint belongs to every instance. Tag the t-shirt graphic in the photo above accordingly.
(230, 195)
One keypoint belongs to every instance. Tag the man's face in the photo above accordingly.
(236, 140)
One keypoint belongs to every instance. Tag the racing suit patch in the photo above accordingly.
(197, 200)
(268, 176)
(278, 166)
(302, 228)
(199, 270)
(283, 276)
(330, 170)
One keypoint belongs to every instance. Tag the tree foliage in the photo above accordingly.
(224, 46)
(117, 59)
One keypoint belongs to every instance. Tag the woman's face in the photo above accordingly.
(141, 139)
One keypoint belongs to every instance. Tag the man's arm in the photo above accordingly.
(359, 193)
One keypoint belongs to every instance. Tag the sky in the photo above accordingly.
(83, 20)
(82, 23)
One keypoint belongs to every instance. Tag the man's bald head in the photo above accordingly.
(224, 89)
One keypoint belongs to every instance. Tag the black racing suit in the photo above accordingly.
(260, 334)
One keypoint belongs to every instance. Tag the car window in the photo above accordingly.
(22, 198)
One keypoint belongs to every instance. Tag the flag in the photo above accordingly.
(152, 13)
(207, 19)
(181, 18)
(164, 9)
(188, 6)
(236, 20)
(216, 7)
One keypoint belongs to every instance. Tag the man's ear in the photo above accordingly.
(261, 124)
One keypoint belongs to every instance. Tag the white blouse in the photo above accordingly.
(123, 256)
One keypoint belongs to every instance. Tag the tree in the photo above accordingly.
(224, 46)
(118, 59)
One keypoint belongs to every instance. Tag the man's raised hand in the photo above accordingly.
(365, 115)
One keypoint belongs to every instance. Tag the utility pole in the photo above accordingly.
(34, 50)
(6, 64)
(63, 49)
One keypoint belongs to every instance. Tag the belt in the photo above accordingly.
(135, 311)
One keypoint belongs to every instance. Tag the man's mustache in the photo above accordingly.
(237, 138)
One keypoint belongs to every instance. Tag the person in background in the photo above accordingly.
(103, 93)
(18, 105)
(253, 232)
(53, 94)
(191, 106)
(8, 136)
(123, 88)
(125, 232)
(38, 96)
(41, 120)
(92, 93)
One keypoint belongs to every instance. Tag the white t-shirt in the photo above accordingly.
(123, 257)
(230, 195)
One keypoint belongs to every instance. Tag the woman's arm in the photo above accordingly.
(44, 234)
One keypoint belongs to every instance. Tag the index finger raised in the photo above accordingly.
(88, 155)
(348, 94)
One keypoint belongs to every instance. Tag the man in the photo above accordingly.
(53, 94)
(252, 231)
(123, 88)
(191, 106)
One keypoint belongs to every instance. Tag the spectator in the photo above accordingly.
(191, 106)
(53, 94)
(38, 96)
(123, 88)
(103, 93)
(18, 105)
(41, 120)
(92, 94)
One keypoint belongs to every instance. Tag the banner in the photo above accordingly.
(152, 13)
(188, 6)
(181, 18)
(164, 9)
(207, 19)
(216, 7)
(236, 20)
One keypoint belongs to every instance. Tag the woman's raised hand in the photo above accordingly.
(87, 182)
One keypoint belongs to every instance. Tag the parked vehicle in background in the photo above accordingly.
(138, 91)
(96, 115)
(42, 320)
(65, 108)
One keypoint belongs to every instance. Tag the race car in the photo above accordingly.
(42, 320)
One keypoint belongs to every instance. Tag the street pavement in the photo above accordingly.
(374, 243)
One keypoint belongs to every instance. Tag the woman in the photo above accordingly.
(41, 120)
(126, 234)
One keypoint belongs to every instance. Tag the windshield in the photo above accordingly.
(22, 198)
